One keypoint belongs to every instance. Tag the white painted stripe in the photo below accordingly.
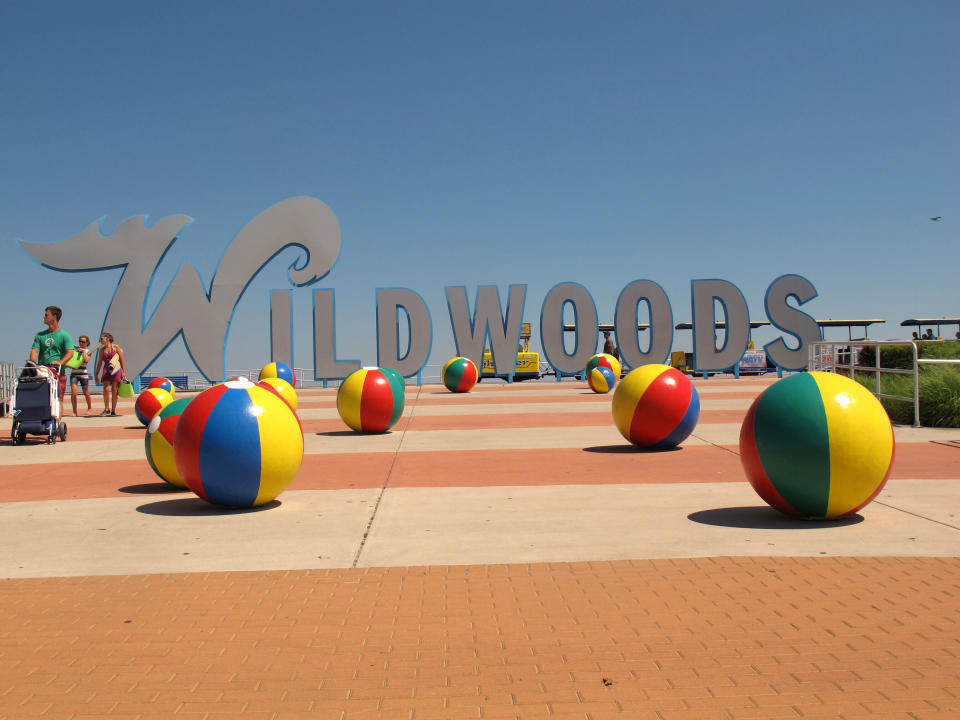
(439, 526)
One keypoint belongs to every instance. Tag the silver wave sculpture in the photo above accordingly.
(203, 317)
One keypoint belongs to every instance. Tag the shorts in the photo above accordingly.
(83, 380)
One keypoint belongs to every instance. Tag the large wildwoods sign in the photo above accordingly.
(202, 316)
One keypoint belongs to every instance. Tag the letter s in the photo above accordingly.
(790, 320)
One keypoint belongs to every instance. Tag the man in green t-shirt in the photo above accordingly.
(53, 346)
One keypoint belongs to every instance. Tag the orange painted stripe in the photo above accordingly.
(614, 464)
(607, 465)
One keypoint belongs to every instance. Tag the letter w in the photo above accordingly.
(488, 321)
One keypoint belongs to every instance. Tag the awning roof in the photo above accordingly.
(848, 323)
(930, 321)
(603, 327)
(720, 324)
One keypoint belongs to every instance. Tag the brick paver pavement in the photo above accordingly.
(666, 639)
(703, 638)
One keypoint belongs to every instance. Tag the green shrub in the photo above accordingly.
(939, 395)
(901, 356)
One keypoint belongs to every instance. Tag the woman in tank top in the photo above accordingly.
(111, 369)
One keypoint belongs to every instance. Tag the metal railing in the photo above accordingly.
(8, 374)
(834, 356)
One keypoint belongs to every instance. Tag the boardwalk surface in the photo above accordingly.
(501, 554)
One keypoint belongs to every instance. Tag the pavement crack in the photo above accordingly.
(716, 445)
(917, 515)
(386, 482)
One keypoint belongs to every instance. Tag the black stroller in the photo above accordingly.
(36, 405)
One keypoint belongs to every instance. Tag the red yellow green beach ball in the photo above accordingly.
(158, 443)
(237, 444)
(656, 406)
(370, 400)
(607, 361)
(459, 374)
(150, 402)
(817, 445)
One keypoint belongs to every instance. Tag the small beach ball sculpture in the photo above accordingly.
(164, 384)
(158, 442)
(656, 406)
(282, 388)
(237, 444)
(601, 379)
(607, 361)
(459, 374)
(817, 445)
(278, 370)
(370, 400)
(150, 402)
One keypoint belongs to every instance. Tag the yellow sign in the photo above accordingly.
(528, 364)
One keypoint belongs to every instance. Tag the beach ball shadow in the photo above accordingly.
(352, 433)
(630, 449)
(195, 507)
(153, 488)
(764, 517)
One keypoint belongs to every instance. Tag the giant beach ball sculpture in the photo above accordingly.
(656, 406)
(238, 444)
(601, 379)
(459, 374)
(607, 361)
(370, 400)
(164, 384)
(281, 388)
(278, 370)
(817, 445)
(158, 442)
(150, 402)
(394, 376)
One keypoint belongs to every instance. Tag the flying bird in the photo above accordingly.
(936, 219)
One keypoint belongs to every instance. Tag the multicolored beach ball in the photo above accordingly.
(164, 384)
(150, 402)
(656, 406)
(818, 445)
(601, 379)
(607, 361)
(238, 444)
(282, 388)
(158, 442)
(278, 370)
(394, 376)
(370, 400)
(459, 374)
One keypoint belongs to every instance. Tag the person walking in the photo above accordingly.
(79, 375)
(53, 347)
(111, 369)
(608, 347)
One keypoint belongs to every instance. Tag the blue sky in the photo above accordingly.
(469, 143)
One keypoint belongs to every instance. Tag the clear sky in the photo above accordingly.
(468, 143)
